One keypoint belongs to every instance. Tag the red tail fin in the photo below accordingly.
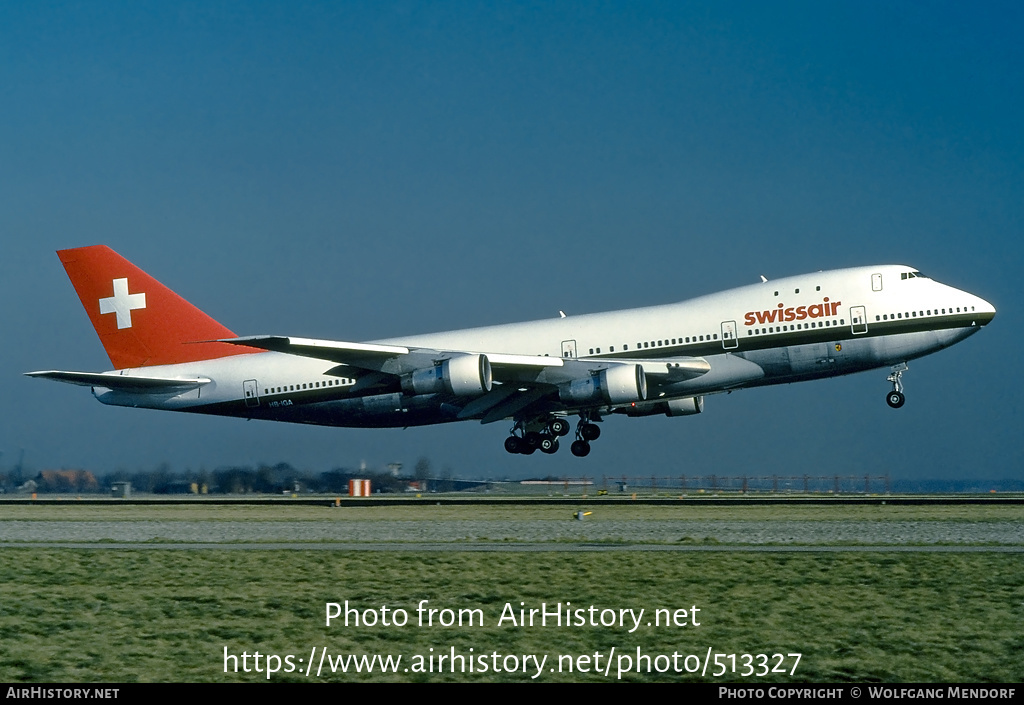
(139, 320)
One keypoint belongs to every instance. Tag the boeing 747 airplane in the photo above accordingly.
(168, 354)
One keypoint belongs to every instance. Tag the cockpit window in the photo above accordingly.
(912, 275)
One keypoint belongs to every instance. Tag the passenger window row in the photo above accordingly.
(662, 343)
(927, 312)
(796, 326)
(332, 382)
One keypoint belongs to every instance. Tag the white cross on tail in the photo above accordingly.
(122, 303)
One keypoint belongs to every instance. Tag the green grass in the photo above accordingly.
(164, 615)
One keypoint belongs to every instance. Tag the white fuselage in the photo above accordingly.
(797, 328)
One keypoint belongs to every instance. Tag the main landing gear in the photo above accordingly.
(527, 439)
(896, 398)
(585, 433)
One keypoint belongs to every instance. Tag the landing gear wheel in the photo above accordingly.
(895, 399)
(590, 432)
(527, 450)
(558, 427)
(513, 444)
(580, 449)
(551, 448)
(532, 438)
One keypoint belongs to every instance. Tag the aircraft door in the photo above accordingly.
(858, 320)
(569, 348)
(729, 339)
(252, 397)
(876, 282)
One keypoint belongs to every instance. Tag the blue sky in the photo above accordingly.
(356, 171)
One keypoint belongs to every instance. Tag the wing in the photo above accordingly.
(494, 386)
(488, 386)
(392, 359)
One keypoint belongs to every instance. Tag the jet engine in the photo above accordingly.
(465, 375)
(672, 407)
(621, 384)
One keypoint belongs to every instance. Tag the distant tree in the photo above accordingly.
(421, 472)
(446, 484)
(265, 480)
(162, 477)
(12, 479)
(234, 480)
(284, 478)
(386, 482)
(335, 481)
(422, 469)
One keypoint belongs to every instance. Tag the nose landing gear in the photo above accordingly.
(896, 398)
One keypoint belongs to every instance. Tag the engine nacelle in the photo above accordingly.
(672, 407)
(684, 407)
(465, 375)
(621, 384)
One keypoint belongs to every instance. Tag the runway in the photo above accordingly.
(622, 528)
(509, 548)
(433, 528)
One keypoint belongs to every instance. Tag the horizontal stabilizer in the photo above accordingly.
(112, 380)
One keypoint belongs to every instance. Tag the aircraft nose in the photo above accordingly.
(985, 311)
